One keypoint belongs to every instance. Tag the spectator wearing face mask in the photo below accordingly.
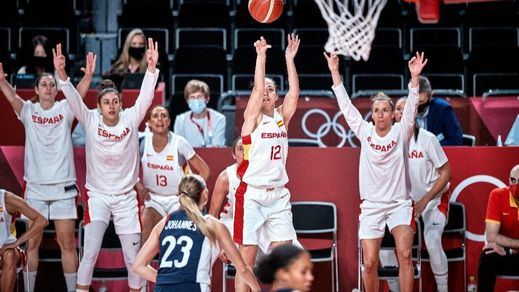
(200, 126)
(131, 59)
(500, 255)
(39, 58)
(437, 116)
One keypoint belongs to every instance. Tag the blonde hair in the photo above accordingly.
(121, 65)
(382, 96)
(195, 85)
(189, 195)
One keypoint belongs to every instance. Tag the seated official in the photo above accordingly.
(500, 255)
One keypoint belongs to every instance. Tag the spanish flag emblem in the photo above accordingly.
(169, 158)
(280, 123)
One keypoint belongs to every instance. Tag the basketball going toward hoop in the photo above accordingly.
(265, 11)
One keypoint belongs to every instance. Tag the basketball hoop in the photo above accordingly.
(351, 32)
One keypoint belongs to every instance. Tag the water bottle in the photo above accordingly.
(472, 285)
(499, 141)
(102, 288)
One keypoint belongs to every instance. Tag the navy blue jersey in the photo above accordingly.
(186, 255)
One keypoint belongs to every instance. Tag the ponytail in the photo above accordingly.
(189, 195)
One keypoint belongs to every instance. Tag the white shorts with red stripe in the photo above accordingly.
(260, 210)
(375, 215)
(122, 208)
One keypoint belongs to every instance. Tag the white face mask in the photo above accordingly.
(196, 105)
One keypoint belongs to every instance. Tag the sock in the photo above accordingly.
(81, 290)
(442, 282)
(70, 279)
(29, 278)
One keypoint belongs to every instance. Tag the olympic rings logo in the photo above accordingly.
(467, 182)
(330, 124)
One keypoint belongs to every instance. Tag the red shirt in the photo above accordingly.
(502, 209)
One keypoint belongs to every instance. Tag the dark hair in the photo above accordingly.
(281, 257)
(107, 86)
(36, 98)
(424, 86)
(234, 143)
(156, 106)
(276, 86)
(45, 43)
(189, 195)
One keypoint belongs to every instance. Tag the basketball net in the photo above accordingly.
(351, 32)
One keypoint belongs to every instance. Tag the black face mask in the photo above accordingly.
(423, 107)
(40, 62)
(136, 53)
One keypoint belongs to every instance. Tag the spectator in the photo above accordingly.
(131, 59)
(201, 126)
(437, 116)
(500, 255)
(38, 59)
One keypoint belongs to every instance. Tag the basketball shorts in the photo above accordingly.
(263, 244)
(122, 208)
(163, 204)
(55, 210)
(53, 201)
(260, 210)
(375, 215)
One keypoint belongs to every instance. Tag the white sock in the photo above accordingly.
(81, 290)
(31, 279)
(70, 279)
(442, 282)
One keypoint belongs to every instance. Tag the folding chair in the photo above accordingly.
(229, 272)
(314, 219)
(468, 140)
(391, 272)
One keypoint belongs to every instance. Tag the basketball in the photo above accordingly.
(265, 11)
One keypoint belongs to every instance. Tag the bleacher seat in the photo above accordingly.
(493, 36)
(54, 34)
(388, 37)
(245, 37)
(37, 12)
(244, 61)
(434, 36)
(200, 60)
(203, 14)
(201, 37)
(307, 14)
(312, 36)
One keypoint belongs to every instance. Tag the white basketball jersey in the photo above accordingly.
(265, 155)
(234, 181)
(425, 156)
(49, 158)
(6, 230)
(161, 171)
